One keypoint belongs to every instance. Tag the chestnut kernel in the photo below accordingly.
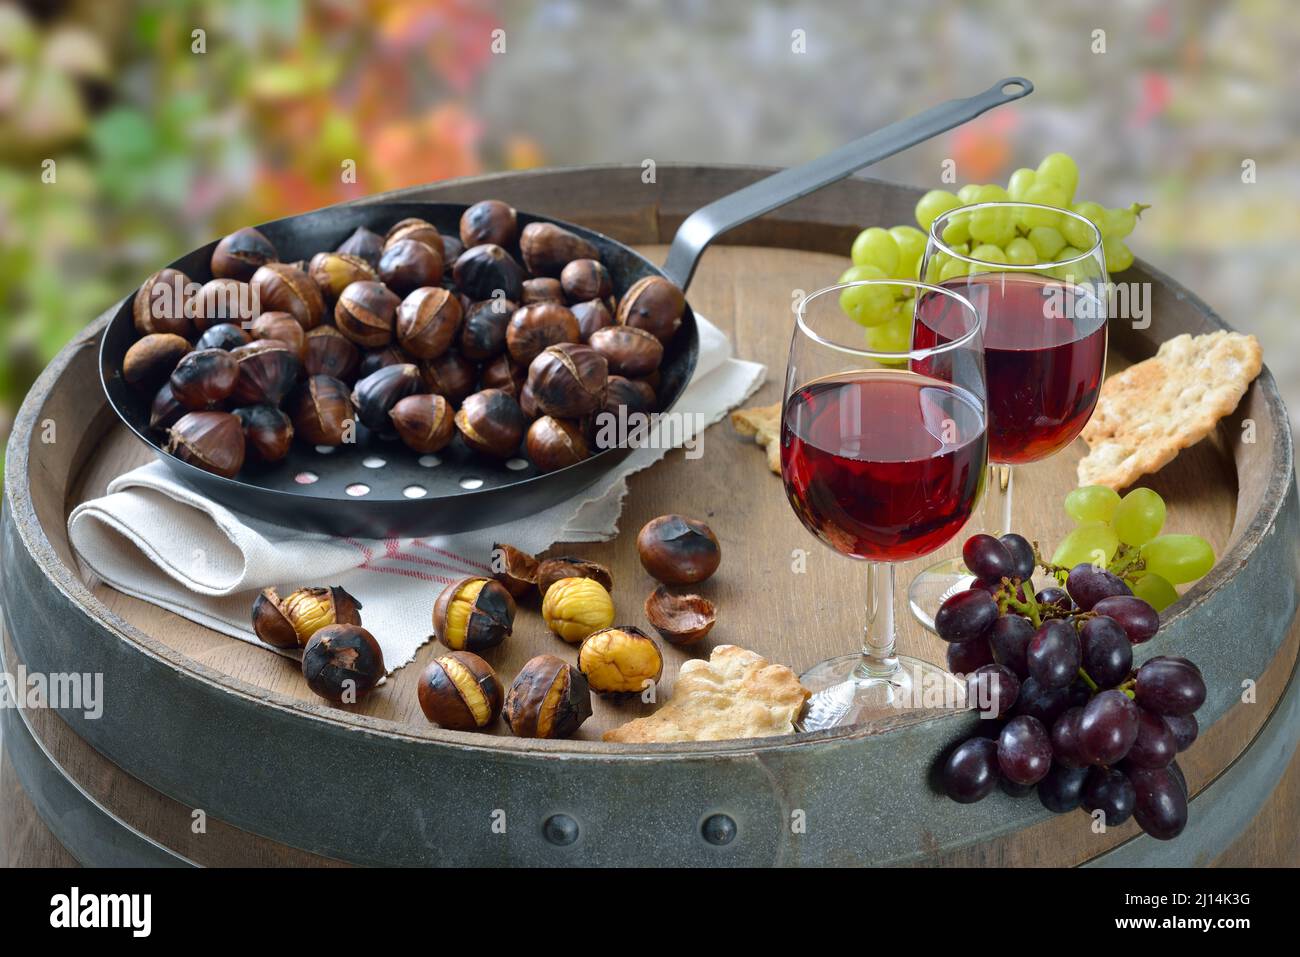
(548, 248)
(489, 221)
(533, 328)
(270, 623)
(678, 550)
(280, 327)
(473, 614)
(491, 422)
(223, 300)
(164, 304)
(311, 609)
(342, 663)
(408, 264)
(415, 230)
(375, 395)
(680, 619)
(203, 380)
(322, 412)
(150, 361)
(591, 315)
(585, 279)
(241, 254)
(551, 570)
(427, 321)
(653, 304)
(620, 661)
(515, 569)
(450, 375)
(268, 433)
(424, 423)
(573, 608)
(568, 380)
(334, 272)
(225, 335)
(630, 351)
(366, 312)
(483, 334)
(212, 441)
(549, 698)
(487, 271)
(542, 289)
(268, 371)
(364, 244)
(460, 691)
(555, 444)
(283, 288)
(326, 351)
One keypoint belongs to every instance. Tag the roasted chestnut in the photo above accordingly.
(149, 362)
(460, 691)
(283, 288)
(326, 351)
(551, 570)
(555, 444)
(631, 351)
(548, 248)
(526, 402)
(164, 304)
(450, 375)
(364, 244)
(473, 614)
(427, 321)
(334, 272)
(549, 698)
(212, 441)
(680, 619)
(342, 663)
(483, 334)
(504, 374)
(585, 279)
(307, 611)
(281, 327)
(417, 230)
(452, 247)
(366, 312)
(620, 661)
(591, 315)
(424, 423)
(241, 254)
(408, 264)
(488, 271)
(573, 608)
(203, 380)
(533, 328)
(491, 422)
(270, 623)
(268, 371)
(515, 569)
(568, 380)
(678, 550)
(268, 433)
(542, 289)
(225, 335)
(634, 396)
(322, 412)
(223, 300)
(376, 359)
(378, 392)
(653, 304)
(488, 221)
(164, 410)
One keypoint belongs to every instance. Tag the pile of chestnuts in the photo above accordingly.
(510, 339)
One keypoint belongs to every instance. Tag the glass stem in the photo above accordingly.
(997, 500)
(879, 636)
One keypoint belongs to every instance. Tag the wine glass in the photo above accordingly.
(1043, 299)
(882, 455)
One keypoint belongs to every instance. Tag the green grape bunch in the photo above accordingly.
(990, 235)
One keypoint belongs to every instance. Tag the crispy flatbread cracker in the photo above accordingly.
(763, 422)
(735, 694)
(1151, 411)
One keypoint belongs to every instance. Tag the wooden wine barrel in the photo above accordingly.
(211, 751)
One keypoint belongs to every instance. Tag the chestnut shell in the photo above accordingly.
(487, 270)
(268, 432)
(149, 362)
(654, 304)
(375, 395)
(548, 248)
(280, 287)
(442, 700)
(568, 380)
(489, 221)
(680, 619)
(423, 422)
(530, 692)
(492, 423)
(551, 570)
(515, 569)
(340, 659)
(427, 322)
(678, 550)
(326, 351)
(555, 444)
(533, 328)
(240, 254)
(268, 371)
(212, 441)
(164, 304)
(408, 264)
(322, 411)
(490, 620)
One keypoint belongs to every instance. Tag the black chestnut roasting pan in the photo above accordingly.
(376, 487)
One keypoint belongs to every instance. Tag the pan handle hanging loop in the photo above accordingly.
(709, 222)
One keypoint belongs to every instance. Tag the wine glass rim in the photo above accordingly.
(937, 239)
(885, 355)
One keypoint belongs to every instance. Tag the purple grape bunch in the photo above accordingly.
(1076, 721)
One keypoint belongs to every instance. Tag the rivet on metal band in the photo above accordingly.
(718, 829)
(560, 829)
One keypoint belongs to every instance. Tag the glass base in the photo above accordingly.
(844, 693)
(934, 586)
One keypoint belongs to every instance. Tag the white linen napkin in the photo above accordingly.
(159, 540)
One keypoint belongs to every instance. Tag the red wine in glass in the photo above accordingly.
(1044, 356)
(882, 464)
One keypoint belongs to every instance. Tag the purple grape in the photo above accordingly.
(1053, 654)
(1012, 789)
(1155, 745)
(1169, 686)
(1108, 727)
(1062, 788)
(1184, 729)
(966, 616)
(1160, 802)
(1138, 619)
(1058, 598)
(987, 558)
(971, 772)
(1024, 750)
(1107, 652)
(1109, 791)
(1065, 739)
(966, 656)
(992, 689)
(1045, 704)
(1089, 584)
(1009, 639)
(1022, 555)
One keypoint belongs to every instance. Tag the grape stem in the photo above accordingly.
(1126, 561)
(1059, 572)
(1030, 608)
(1087, 679)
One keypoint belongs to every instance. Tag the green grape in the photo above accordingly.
(1178, 558)
(877, 247)
(1020, 181)
(996, 226)
(1048, 241)
(1091, 503)
(911, 247)
(968, 193)
(955, 268)
(1077, 233)
(989, 253)
(866, 305)
(957, 230)
(895, 335)
(1139, 516)
(1044, 194)
(1092, 542)
(1118, 256)
(1063, 170)
(1120, 222)
(933, 205)
(1155, 591)
(991, 193)
(1021, 252)
(1067, 271)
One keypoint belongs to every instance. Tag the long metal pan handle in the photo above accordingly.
(708, 223)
